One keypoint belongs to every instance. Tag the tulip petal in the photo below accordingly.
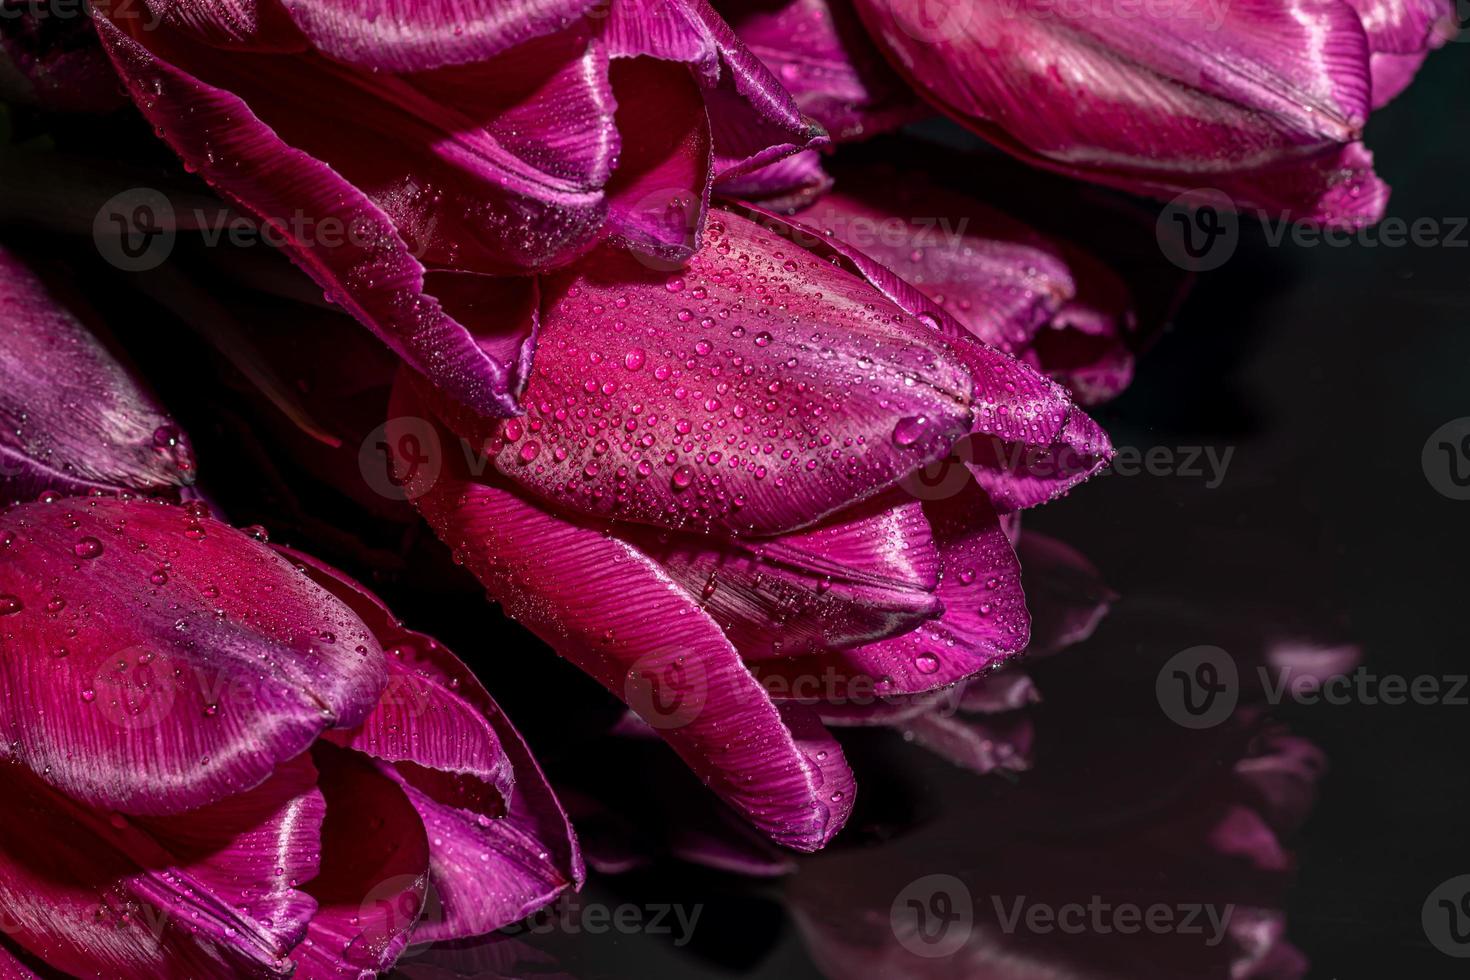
(821, 54)
(366, 265)
(1029, 442)
(1051, 304)
(1401, 35)
(1259, 99)
(414, 35)
(659, 194)
(374, 872)
(72, 418)
(159, 661)
(786, 186)
(990, 272)
(208, 893)
(492, 861)
(867, 574)
(984, 623)
(697, 400)
(753, 119)
(11, 967)
(614, 612)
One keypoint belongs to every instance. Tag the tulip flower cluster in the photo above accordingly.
(737, 418)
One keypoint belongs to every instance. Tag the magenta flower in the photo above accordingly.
(702, 507)
(441, 144)
(1266, 103)
(229, 760)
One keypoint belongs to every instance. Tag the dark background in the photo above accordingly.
(1325, 369)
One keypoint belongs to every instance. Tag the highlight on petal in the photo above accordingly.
(73, 418)
(1265, 101)
(158, 660)
(609, 608)
(756, 391)
(500, 844)
(218, 891)
(412, 35)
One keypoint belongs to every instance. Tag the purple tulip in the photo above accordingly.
(1265, 102)
(228, 760)
(404, 154)
(707, 483)
(72, 416)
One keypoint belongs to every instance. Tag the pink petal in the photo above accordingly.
(1049, 303)
(246, 131)
(1029, 442)
(494, 857)
(211, 892)
(610, 609)
(704, 399)
(414, 35)
(786, 186)
(821, 54)
(1406, 26)
(1264, 101)
(659, 194)
(1401, 33)
(160, 661)
(985, 620)
(867, 574)
(74, 418)
(753, 119)
(374, 872)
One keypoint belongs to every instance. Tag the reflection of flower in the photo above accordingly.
(707, 483)
(1123, 811)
